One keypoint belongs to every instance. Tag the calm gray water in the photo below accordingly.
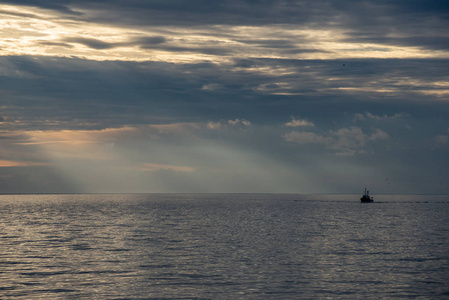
(223, 246)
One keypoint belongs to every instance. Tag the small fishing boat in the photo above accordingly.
(366, 197)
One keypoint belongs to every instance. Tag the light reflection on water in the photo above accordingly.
(223, 246)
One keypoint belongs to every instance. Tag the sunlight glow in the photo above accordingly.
(149, 167)
(12, 163)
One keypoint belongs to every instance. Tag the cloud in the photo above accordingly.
(151, 167)
(90, 42)
(214, 125)
(180, 44)
(442, 139)
(379, 135)
(302, 137)
(367, 115)
(227, 124)
(111, 135)
(348, 138)
(349, 141)
(344, 141)
(13, 163)
(239, 122)
(298, 123)
(150, 41)
(137, 31)
(109, 86)
(360, 18)
(212, 87)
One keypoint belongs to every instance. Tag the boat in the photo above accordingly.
(366, 197)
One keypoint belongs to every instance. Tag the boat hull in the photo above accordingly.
(366, 199)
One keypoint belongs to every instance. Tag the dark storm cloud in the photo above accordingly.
(270, 43)
(161, 43)
(286, 45)
(255, 12)
(87, 91)
(402, 23)
(91, 43)
(152, 42)
(47, 93)
(197, 12)
(439, 42)
(316, 75)
(54, 5)
(193, 12)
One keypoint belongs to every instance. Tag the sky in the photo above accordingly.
(230, 96)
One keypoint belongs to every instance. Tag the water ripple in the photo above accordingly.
(223, 246)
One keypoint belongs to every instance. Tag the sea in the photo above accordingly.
(223, 246)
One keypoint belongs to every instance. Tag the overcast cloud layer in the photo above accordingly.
(224, 96)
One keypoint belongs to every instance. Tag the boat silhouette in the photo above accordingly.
(366, 197)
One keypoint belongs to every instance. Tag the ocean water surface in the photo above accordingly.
(223, 246)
